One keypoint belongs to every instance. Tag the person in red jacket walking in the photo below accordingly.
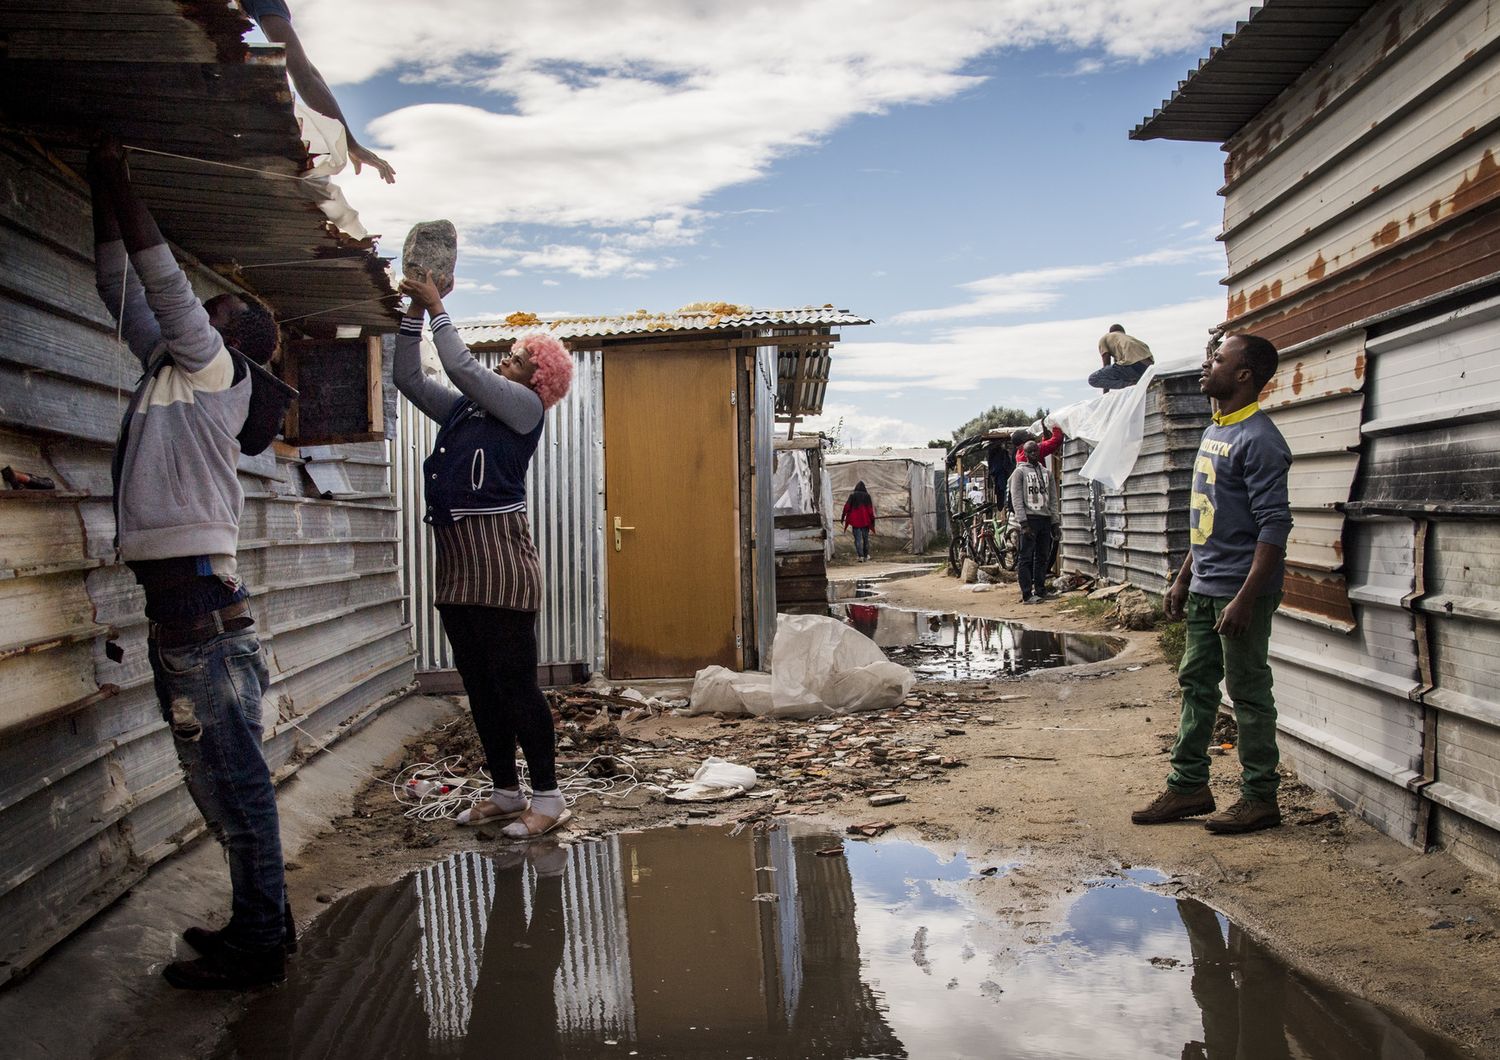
(859, 516)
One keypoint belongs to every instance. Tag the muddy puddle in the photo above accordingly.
(697, 943)
(947, 647)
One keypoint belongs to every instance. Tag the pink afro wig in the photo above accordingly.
(554, 366)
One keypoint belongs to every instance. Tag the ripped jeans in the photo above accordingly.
(210, 695)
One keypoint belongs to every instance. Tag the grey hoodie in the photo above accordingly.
(177, 488)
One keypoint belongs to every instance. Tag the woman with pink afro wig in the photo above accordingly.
(551, 362)
(489, 579)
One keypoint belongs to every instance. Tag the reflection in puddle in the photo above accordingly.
(941, 646)
(696, 943)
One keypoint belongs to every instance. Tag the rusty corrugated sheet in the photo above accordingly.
(1316, 400)
(176, 77)
(643, 323)
(1257, 62)
(1339, 207)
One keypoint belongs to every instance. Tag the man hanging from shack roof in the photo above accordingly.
(1228, 590)
(275, 20)
(177, 502)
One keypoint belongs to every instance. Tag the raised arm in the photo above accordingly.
(434, 398)
(192, 341)
(517, 406)
(315, 92)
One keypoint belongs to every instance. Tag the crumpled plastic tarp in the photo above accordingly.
(1114, 424)
(822, 667)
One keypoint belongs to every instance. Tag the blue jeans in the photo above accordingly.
(861, 541)
(210, 695)
(1118, 376)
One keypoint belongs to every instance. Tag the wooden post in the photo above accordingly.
(794, 408)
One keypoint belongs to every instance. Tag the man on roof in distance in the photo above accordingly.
(1125, 360)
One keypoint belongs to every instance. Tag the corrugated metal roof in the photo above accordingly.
(735, 318)
(1264, 55)
(175, 76)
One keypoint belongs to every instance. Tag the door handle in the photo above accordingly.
(618, 530)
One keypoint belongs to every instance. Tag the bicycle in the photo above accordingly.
(984, 534)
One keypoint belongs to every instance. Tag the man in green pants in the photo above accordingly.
(1228, 589)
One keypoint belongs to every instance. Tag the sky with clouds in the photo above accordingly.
(959, 171)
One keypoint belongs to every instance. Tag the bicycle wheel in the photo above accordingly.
(989, 553)
(1010, 547)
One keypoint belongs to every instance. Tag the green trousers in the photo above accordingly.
(1208, 660)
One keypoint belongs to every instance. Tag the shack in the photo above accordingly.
(91, 795)
(1363, 237)
(804, 525)
(651, 495)
(904, 490)
(1139, 533)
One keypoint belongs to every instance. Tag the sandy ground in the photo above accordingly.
(1048, 783)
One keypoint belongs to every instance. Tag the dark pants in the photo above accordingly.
(1118, 376)
(494, 649)
(1241, 662)
(515, 999)
(861, 541)
(210, 696)
(1036, 554)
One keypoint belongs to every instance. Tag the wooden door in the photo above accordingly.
(671, 476)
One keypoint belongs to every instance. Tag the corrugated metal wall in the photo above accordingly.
(565, 504)
(90, 791)
(1363, 194)
(1145, 525)
(1370, 182)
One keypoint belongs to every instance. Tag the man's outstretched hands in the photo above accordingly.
(362, 156)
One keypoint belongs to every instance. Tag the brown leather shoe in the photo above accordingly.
(1175, 806)
(1246, 815)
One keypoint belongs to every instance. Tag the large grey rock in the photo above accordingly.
(433, 246)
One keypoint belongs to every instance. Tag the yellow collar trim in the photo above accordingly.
(1229, 419)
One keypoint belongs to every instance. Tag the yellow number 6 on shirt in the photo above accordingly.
(1201, 504)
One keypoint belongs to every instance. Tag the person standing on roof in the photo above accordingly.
(859, 516)
(1125, 360)
(177, 504)
(1031, 505)
(275, 20)
(489, 577)
(1229, 588)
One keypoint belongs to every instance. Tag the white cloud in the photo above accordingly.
(1037, 289)
(575, 114)
(858, 428)
(1049, 351)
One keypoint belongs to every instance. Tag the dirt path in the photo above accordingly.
(1047, 782)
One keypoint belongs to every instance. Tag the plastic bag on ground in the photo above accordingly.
(822, 667)
(716, 779)
(720, 690)
(826, 667)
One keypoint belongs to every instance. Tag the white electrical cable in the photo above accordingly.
(435, 791)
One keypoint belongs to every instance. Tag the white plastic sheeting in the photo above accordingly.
(822, 667)
(905, 501)
(1114, 424)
